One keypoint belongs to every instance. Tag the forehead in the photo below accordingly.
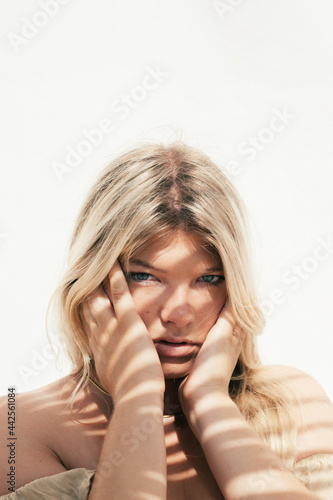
(178, 246)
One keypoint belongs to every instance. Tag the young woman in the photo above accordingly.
(167, 398)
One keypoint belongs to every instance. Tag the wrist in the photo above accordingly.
(142, 394)
(210, 406)
(134, 385)
(142, 411)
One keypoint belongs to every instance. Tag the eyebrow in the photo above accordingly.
(143, 263)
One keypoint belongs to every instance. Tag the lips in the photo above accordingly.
(175, 348)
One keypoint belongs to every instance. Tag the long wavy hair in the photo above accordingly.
(141, 194)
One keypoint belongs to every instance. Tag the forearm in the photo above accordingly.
(242, 464)
(132, 463)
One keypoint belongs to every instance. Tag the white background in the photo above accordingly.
(225, 70)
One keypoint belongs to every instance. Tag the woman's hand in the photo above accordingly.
(124, 354)
(213, 367)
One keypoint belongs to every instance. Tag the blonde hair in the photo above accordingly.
(140, 195)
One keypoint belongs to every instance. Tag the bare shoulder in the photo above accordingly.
(301, 384)
(313, 409)
(27, 451)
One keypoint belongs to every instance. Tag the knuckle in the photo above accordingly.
(100, 302)
(118, 289)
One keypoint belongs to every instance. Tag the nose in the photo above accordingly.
(177, 308)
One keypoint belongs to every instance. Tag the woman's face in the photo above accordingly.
(178, 290)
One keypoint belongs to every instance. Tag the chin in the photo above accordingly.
(175, 376)
(176, 369)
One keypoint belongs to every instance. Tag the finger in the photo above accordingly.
(100, 307)
(87, 318)
(228, 326)
(227, 313)
(226, 318)
(121, 297)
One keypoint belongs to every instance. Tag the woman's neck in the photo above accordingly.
(171, 401)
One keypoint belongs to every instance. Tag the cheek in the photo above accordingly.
(146, 303)
(211, 306)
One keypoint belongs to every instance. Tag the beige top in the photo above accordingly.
(315, 472)
(73, 484)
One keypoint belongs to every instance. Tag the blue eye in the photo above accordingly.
(214, 279)
(138, 276)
